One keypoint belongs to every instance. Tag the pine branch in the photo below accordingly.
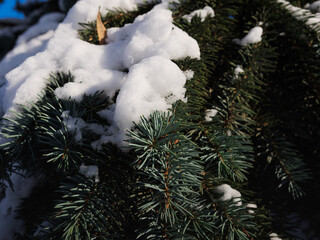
(235, 222)
(21, 137)
(171, 170)
(85, 210)
(305, 16)
(227, 156)
(290, 170)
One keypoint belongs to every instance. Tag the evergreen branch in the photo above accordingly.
(227, 156)
(171, 170)
(85, 211)
(290, 170)
(240, 93)
(309, 19)
(21, 138)
(59, 79)
(234, 221)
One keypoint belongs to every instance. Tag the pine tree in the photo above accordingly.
(249, 127)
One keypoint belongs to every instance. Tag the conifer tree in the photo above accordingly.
(238, 159)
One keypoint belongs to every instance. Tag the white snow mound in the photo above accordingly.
(145, 48)
(202, 13)
(227, 193)
(253, 36)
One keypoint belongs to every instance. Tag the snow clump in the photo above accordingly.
(30, 42)
(274, 236)
(237, 71)
(42, 229)
(210, 113)
(142, 97)
(46, 23)
(90, 171)
(160, 84)
(251, 206)
(315, 6)
(9, 224)
(189, 74)
(202, 13)
(73, 124)
(152, 34)
(253, 36)
(228, 193)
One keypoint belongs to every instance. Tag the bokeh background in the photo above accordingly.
(7, 9)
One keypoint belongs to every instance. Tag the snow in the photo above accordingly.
(253, 36)
(9, 204)
(137, 47)
(90, 171)
(237, 71)
(42, 229)
(315, 6)
(228, 193)
(152, 34)
(91, 82)
(274, 236)
(251, 205)
(160, 84)
(73, 124)
(21, 52)
(29, 43)
(210, 113)
(46, 23)
(202, 13)
(189, 74)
